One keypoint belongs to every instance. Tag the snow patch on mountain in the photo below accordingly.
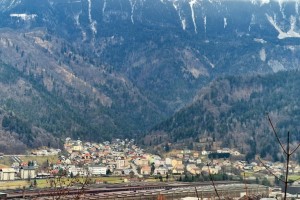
(276, 65)
(254, 2)
(104, 7)
(280, 2)
(259, 40)
(204, 22)
(262, 2)
(192, 4)
(83, 33)
(182, 19)
(24, 16)
(252, 22)
(132, 4)
(92, 22)
(209, 62)
(282, 35)
(263, 55)
(214, 1)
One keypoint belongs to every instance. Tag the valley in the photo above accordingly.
(206, 90)
(103, 69)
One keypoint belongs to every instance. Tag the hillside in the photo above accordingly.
(39, 89)
(103, 69)
(234, 110)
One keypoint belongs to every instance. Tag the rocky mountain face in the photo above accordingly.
(99, 69)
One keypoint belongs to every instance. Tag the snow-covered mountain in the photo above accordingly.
(190, 22)
(127, 64)
(204, 18)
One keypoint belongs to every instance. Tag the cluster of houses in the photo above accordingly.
(124, 157)
(46, 152)
(25, 170)
(22, 172)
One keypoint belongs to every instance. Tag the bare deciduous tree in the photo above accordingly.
(287, 153)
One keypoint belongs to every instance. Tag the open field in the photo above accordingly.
(19, 184)
(247, 174)
(8, 161)
(3, 166)
(42, 183)
(294, 177)
(39, 159)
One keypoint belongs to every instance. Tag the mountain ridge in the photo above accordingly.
(117, 68)
(233, 110)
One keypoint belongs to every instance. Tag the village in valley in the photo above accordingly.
(127, 161)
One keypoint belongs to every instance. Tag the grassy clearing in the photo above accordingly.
(39, 159)
(151, 179)
(44, 183)
(14, 184)
(3, 166)
(108, 179)
(247, 174)
(19, 184)
(294, 177)
(6, 161)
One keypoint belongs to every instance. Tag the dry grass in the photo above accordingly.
(6, 161)
(14, 184)
(43, 183)
(294, 177)
(39, 159)
(3, 166)
(247, 174)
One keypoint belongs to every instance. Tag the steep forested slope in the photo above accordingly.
(234, 110)
(102, 69)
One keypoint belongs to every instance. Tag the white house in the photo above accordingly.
(224, 150)
(120, 163)
(7, 174)
(168, 161)
(27, 172)
(198, 161)
(161, 170)
(77, 171)
(210, 170)
(159, 162)
(97, 170)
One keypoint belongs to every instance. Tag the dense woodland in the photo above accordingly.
(29, 109)
(234, 110)
(97, 70)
